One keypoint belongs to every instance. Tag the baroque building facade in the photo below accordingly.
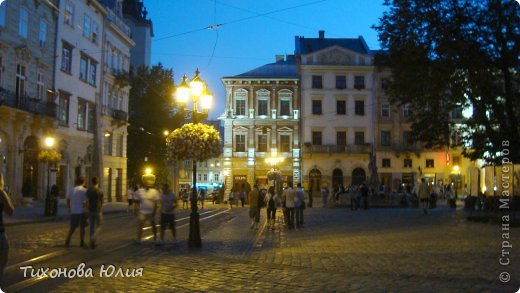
(27, 100)
(262, 119)
(338, 98)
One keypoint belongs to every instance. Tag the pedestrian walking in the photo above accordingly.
(168, 202)
(242, 195)
(270, 202)
(95, 215)
(146, 199)
(254, 207)
(299, 205)
(76, 199)
(289, 195)
(6, 206)
(55, 196)
(424, 195)
(202, 197)
(364, 195)
(324, 195)
(232, 195)
(184, 193)
(130, 197)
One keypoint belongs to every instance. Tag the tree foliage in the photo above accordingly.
(197, 142)
(445, 55)
(151, 111)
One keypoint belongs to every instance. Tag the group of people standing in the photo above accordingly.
(291, 201)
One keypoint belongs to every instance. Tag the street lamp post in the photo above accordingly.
(197, 92)
(49, 143)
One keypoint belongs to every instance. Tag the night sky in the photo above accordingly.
(252, 33)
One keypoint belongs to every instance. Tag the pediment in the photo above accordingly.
(285, 129)
(336, 55)
(240, 129)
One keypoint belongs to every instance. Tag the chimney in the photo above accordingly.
(322, 34)
(279, 58)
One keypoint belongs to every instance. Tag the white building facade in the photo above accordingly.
(338, 114)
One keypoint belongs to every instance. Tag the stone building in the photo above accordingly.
(338, 99)
(136, 17)
(262, 119)
(27, 98)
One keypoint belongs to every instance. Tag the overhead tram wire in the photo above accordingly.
(214, 26)
(216, 31)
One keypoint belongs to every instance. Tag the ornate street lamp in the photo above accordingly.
(274, 160)
(49, 142)
(197, 92)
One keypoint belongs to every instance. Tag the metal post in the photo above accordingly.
(194, 240)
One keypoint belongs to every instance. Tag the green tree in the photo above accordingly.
(445, 55)
(151, 111)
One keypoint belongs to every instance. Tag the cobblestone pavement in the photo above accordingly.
(378, 250)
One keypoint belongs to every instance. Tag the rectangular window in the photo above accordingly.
(43, 34)
(317, 82)
(407, 163)
(199, 177)
(430, 163)
(360, 108)
(205, 176)
(83, 68)
(23, 23)
(240, 107)
(359, 137)
(107, 144)
(316, 137)
(341, 107)
(262, 107)
(95, 32)
(216, 177)
(82, 112)
(285, 143)
(341, 81)
(316, 107)
(86, 27)
(66, 57)
(21, 79)
(285, 107)
(262, 143)
(92, 73)
(386, 163)
(2, 14)
(63, 109)
(40, 86)
(69, 13)
(407, 111)
(91, 116)
(385, 110)
(385, 138)
(359, 82)
(341, 138)
(407, 138)
(240, 143)
(120, 146)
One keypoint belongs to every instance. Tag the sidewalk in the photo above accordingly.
(33, 212)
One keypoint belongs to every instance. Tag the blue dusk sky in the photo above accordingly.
(251, 34)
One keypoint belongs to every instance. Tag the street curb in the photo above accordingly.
(50, 219)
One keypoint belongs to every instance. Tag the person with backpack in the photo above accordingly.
(270, 201)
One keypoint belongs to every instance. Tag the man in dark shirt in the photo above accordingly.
(95, 203)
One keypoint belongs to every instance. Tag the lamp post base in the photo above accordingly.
(194, 240)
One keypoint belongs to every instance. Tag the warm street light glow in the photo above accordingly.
(148, 171)
(49, 141)
(456, 169)
(107, 134)
(182, 94)
(206, 100)
(166, 133)
(196, 84)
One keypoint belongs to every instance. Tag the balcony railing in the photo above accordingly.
(28, 104)
(112, 17)
(119, 115)
(338, 149)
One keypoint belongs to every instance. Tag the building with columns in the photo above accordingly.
(262, 118)
(338, 113)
